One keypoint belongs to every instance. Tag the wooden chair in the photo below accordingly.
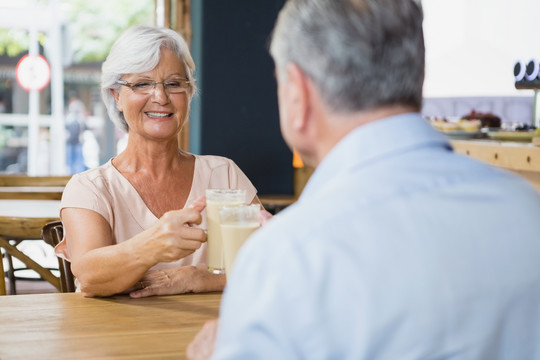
(32, 187)
(53, 233)
(25, 180)
(23, 187)
(2, 277)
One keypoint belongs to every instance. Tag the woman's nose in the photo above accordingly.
(159, 93)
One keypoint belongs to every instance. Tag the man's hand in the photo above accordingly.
(202, 346)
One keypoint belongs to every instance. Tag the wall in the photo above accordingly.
(471, 49)
(236, 112)
(472, 46)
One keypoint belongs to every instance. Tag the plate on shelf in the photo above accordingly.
(523, 136)
(463, 135)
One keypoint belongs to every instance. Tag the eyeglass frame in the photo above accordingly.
(154, 85)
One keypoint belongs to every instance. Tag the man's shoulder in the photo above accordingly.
(308, 218)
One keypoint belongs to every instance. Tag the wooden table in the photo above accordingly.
(23, 220)
(68, 326)
(276, 203)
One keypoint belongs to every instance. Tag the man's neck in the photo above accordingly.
(339, 125)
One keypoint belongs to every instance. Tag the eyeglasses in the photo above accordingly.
(146, 87)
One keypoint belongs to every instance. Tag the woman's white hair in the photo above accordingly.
(136, 51)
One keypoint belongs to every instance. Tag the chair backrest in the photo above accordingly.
(25, 187)
(53, 233)
(24, 180)
(2, 276)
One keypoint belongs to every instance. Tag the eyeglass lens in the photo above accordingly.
(170, 86)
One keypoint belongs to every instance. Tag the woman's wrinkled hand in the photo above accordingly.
(178, 280)
(176, 234)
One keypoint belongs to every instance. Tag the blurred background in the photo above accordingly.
(74, 37)
(52, 120)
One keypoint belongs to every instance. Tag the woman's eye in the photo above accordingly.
(173, 84)
(142, 85)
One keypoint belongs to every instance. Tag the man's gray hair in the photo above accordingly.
(361, 54)
(138, 50)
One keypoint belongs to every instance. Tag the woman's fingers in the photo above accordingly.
(199, 204)
(176, 236)
(155, 282)
(184, 217)
(193, 233)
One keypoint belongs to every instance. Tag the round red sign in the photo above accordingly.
(33, 72)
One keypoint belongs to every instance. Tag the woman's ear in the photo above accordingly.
(117, 99)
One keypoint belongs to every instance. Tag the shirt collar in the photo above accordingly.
(374, 141)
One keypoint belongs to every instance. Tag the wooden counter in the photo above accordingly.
(521, 158)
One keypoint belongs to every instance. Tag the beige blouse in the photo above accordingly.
(105, 191)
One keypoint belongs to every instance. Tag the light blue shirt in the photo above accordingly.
(397, 249)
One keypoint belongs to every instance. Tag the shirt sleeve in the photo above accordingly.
(81, 192)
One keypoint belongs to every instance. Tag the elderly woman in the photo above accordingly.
(134, 224)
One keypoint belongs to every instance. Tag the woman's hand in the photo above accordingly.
(179, 280)
(175, 235)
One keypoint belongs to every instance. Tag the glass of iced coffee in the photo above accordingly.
(216, 198)
(237, 224)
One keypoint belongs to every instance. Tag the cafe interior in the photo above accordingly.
(481, 90)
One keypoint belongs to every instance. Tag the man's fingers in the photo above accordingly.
(265, 216)
(202, 346)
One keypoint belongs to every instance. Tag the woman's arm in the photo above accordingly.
(103, 268)
(185, 279)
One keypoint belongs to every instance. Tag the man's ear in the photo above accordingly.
(299, 96)
(116, 97)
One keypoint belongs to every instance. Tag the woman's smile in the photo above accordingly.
(158, 115)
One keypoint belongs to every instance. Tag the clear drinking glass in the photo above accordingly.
(237, 224)
(216, 198)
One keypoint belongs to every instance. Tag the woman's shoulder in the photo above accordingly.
(95, 177)
(213, 161)
(94, 174)
(97, 189)
(219, 172)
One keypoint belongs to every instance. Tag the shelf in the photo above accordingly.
(521, 85)
(521, 158)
